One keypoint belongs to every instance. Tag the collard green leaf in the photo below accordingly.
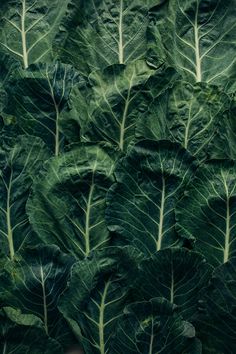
(40, 98)
(99, 33)
(207, 213)
(21, 334)
(68, 203)
(217, 324)
(199, 37)
(21, 159)
(153, 327)
(37, 278)
(141, 205)
(27, 28)
(177, 275)
(119, 96)
(97, 294)
(188, 114)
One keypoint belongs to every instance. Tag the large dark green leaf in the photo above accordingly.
(39, 99)
(68, 203)
(98, 33)
(207, 213)
(22, 334)
(178, 275)
(153, 327)
(27, 28)
(199, 37)
(141, 205)
(21, 159)
(217, 324)
(119, 96)
(97, 294)
(188, 114)
(36, 279)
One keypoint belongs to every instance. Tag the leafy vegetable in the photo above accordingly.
(117, 177)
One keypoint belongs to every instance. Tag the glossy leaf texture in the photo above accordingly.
(34, 281)
(29, 27)
(98, 292)
(190, 115)
(96, 34)
(23, 334)
(178, 275)
(218, 318)
(67, 206)
(39, 99)
(141, 205)
(154, 327)
(21, 159)
(199, 39)
(206, 214)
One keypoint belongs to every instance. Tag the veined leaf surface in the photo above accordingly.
(141, 205)
(36, 279)
(199, 37)
(97, 294)
(153, 327)
(68, 203)
(207, 213)
(39, 99)
(22, 334)
(99, 33)
(28, 28)
(21, 159)
(177, 275)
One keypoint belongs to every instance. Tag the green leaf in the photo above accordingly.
(68, 203)
(97, 294)
(188, 114)
(37, 277)
(199, 37)
(22, 334)
(40, 99)
(27, 28)
(141, 205)
(21, 159)
(120, 95)
(153, 327)
(177, 275)
(206, 214)
(99, 33)
(217, 324)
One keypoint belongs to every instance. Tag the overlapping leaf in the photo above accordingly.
(68, 204)
(188, 114)
(177, 275)
(141, 205)
(99, 33)
(22, 334)
(39, 98)
(153, 327)
(217, 324)
(199, 37)
(34, 283)
(98, 292)
(207, 213)
(21, 159)
(27, 28)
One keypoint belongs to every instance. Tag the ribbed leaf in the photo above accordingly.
(207, 213)
(27, 28)
(22, 334)
(153, 327)
(98, 33)
(21, 159)
(141, 205)
(68, 203)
